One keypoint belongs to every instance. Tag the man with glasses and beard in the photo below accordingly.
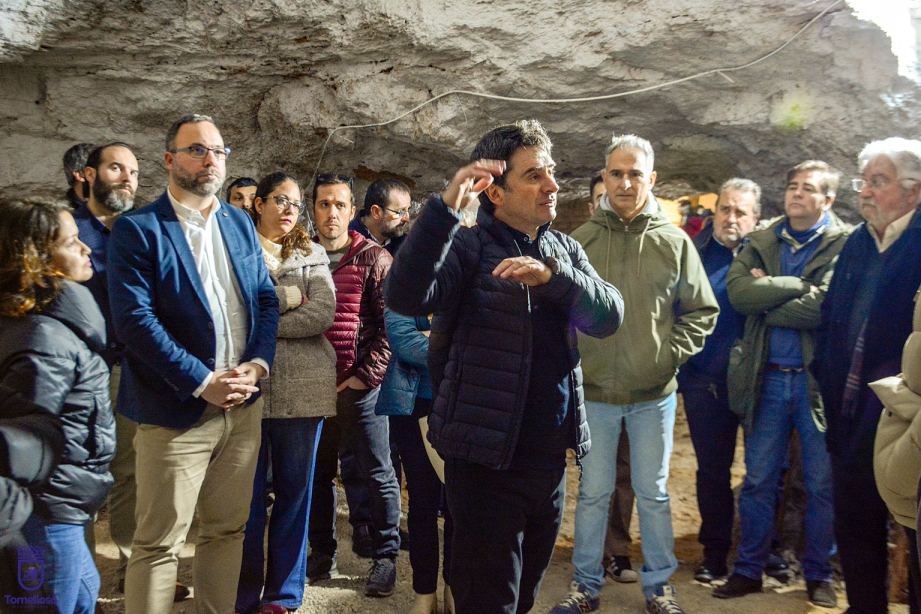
(199, 331)
(385, 216)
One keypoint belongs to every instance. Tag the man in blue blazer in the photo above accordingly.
(194, 306)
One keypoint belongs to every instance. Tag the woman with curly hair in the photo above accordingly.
(51, 336)
(301, 391)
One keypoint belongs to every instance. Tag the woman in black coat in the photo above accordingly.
(51, 333)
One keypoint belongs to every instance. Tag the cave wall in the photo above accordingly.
(277, 75)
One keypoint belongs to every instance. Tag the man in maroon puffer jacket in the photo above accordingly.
(362, 353)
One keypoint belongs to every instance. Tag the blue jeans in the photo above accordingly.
(650, 427)
(290, 444)
(784, 406)
(70, 573)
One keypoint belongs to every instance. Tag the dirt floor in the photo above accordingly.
(346, 594)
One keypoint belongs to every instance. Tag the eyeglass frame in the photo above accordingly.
(219, 153)
(300, 206)
(859, 183)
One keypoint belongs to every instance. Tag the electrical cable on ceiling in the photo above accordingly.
(640, 90)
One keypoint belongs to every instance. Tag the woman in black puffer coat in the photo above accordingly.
(51, 333)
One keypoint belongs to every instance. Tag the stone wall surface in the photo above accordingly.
(277, 75)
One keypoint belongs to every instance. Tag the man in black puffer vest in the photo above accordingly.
(509, 295)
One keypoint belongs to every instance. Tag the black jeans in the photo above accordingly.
(424, 497)
(505, 527)
(367, 436)
(713, 429)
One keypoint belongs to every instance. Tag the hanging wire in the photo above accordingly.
(640, 90)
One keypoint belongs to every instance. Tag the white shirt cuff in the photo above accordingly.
(203, 385)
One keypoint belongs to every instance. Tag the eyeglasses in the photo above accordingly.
(879, 182)
(200, 151)
(283, 202)
(401, 213)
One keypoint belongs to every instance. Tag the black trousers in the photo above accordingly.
(861, 531)
(505, 527)
(424, 498)
(713, 429)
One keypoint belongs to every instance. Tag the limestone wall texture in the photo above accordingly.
(278, 74)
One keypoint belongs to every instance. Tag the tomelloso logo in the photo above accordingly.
(30, 568)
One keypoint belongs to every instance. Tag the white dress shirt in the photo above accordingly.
(228, 311)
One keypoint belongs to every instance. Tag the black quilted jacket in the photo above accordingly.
(480, 348)
(50, 364)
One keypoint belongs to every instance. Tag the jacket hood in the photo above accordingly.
(76, 308)
(650, 218)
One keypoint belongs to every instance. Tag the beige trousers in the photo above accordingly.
(206, 469)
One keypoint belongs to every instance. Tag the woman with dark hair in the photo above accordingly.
(51, 334)
(301, 391)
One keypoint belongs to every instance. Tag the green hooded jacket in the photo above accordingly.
(669, 307)
(776, 300)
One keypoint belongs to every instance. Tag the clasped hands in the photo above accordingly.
(227, 389)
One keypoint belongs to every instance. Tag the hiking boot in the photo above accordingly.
(381, 578)
(737, 586)
(578, 601)
(321, 566)
(708, 571)
(363, 541)
(619, 569)
(822, 593)
(663, 601)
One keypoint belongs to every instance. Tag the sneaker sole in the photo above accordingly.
(378, 593)
(629, 579)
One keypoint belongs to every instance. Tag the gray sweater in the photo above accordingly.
(303, 379)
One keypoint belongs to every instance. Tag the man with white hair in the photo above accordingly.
(866, 317)
(630, 377)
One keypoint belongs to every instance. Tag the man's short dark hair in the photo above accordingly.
(502, 142)
(332, 179)
(830, 175)
(75, 160)
(189, 118)
(596, 179)
(92, 160)
(241, 182)
(379, 193)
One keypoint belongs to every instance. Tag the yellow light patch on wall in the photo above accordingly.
(794, 111)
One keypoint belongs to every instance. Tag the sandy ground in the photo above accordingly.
(346, 593)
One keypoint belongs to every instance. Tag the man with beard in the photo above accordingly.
(385, 216)
(111, 172)
(199, 331)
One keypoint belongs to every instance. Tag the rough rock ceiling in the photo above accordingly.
(278, 74)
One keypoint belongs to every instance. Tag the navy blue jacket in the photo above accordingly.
(888, 326)
(709, 366)
(480, 348)
(161, 312)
